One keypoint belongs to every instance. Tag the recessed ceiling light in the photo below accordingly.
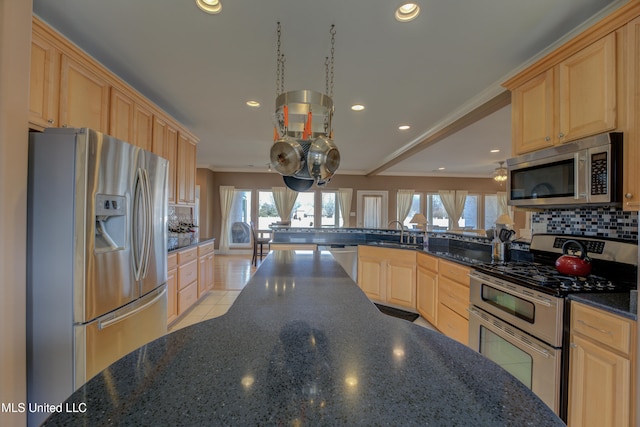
(440, 169)
(252, 103)
(404, 127)
(407, 12)
(357, 107)
(210, 6)
(495, 151)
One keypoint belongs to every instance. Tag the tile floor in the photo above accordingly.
(232, 272)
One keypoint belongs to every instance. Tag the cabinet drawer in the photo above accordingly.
(453, 325)
(598, 325)
(428, 262)
(187, 273)
(454, 295)
(453, 271)
(172, 261)
(187, 255)
(205, 248)
(187, 297)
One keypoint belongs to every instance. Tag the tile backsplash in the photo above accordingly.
(601, 222)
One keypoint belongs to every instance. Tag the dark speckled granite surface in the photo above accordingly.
(302, 345)
(614, 303)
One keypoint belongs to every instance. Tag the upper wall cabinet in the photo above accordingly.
(84, 96)
(68, 88)
(44, 81)
(572, 100)
(631, 182)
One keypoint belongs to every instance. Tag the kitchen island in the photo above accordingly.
(302, 345)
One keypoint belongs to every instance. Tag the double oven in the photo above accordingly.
(519, 313)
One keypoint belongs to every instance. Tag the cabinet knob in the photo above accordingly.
(628, 196)
(561, 135)
(573, 345)
(547, 138)
(50, 121)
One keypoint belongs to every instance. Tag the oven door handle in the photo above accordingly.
(519, 295)
(508, 336)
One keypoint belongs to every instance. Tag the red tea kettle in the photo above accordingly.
(572, 264)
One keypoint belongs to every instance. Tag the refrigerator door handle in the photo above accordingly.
(109, 320)
(140, 225)
(148, 223)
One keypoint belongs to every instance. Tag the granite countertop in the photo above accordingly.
(189, 243)
(302, 345)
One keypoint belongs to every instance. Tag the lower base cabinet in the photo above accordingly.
(172, 287)
(427, 287)
(600, 369)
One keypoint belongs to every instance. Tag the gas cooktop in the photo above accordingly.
(614, 265)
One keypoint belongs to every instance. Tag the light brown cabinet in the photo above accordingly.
(186, 170)
(574, 99)
(205, 268)
(129, 121)
(84, 96)
(165, 144)
(427, 287)
(601, 359)
(44, 80)
(187, 279)
(453, 301)
(388, 275)
(631, 180)
(172, 287)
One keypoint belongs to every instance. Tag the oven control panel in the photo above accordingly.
(593, 246)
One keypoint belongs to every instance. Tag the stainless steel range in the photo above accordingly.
(519, 310)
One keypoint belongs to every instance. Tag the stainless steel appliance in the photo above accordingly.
(519, 310)
(587, 171)
(96, 257)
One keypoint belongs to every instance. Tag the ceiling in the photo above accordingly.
(430, 73)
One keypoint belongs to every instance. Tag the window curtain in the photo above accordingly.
(284, 199)
(453, 202)
(405, 199)
(372, 211)
(344, 204)
(226, 201)
(503, 207)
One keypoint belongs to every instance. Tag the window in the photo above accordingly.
(416, 207)
(303, 213)
(267, 212)
(240, 219)
(330, 215)
(469, 218)
(436, 213)
(490, 210)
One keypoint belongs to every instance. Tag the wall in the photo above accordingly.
(265, 181)
(15, 45)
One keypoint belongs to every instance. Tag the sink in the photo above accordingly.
(397, 245)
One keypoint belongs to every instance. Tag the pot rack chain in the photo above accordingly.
(280, 60)
(329, 63)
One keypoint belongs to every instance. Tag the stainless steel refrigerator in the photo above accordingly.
(97, 250)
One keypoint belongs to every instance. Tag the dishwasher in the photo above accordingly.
(347, 257)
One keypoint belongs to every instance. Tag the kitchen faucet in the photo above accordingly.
(401, 229)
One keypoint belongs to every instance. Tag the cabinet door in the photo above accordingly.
(210, 270)
(142, 127)
(121, 116)
(186, 171)
(371, 278)
(165, 144)
(43, 83)
(401, 283)
(588, 90)
(532, 114)
(631, 179)
(453, 325)
(599, 386)
(84, 97)
(172, 295)
(427, 294)
(202, 275)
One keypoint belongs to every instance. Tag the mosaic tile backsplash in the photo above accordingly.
(600, 222)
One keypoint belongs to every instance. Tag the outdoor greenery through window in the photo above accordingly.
(267, 212)
(330, 211)
(240, 219)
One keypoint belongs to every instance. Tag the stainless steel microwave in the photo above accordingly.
(583, 172)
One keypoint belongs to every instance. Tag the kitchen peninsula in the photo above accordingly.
(302, 345)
